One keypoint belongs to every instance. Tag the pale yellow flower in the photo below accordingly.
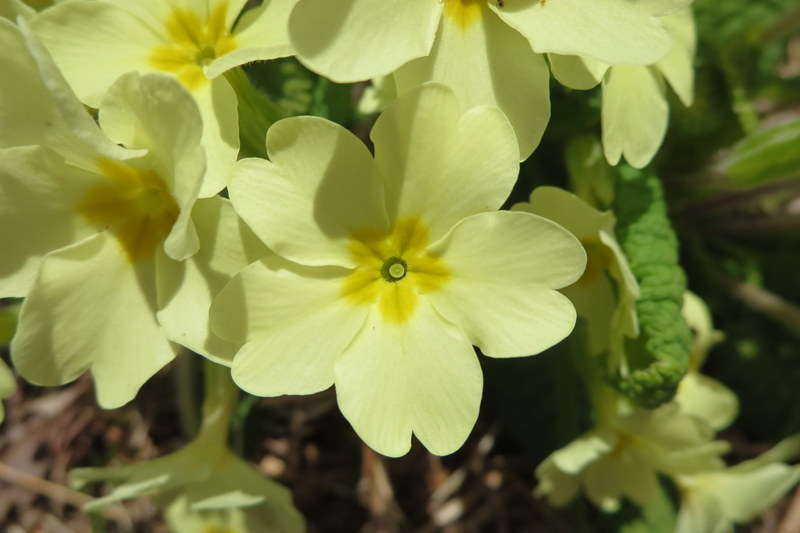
(204, 484)
(95, 42)
(605, 296)
(489, 52)
(714, 501)
(697, 394)
(392, 268)
(108, 260)
(635, 111)
(622, 456)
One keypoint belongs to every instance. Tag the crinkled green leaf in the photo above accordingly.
(659, 357)
(766, 155)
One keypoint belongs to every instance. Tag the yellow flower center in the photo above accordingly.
(193, 44)
(464, 13)
(135, 205)
(393, 270)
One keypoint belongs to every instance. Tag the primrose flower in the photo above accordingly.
(716, 500)
(606, 294)
(488, 51)
(392, 268)
(634, 111)
(95, 42)
(204, 481)
(697, 394)
(624, 453)
(106, 256)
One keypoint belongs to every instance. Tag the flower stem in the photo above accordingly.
(185, 379)
(221, 399)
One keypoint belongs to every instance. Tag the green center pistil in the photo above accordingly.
(394, 269)
(206, 55)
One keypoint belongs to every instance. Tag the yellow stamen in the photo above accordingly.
(393, 270)
(193, 44)
(464, 13)
(135, 205)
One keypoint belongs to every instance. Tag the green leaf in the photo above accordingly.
(333, 101)
(659, 358)
(298, 91)
(257, 112)
(8, 322)
(766, 155)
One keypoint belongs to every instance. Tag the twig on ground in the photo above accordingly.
(376, 494)
(791, 522)
(60, 493)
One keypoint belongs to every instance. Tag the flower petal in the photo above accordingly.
(606, 30)
(262, 33)
(617, 475)
(559, 488)
(187, 465)
(707, 399)
(583, 451)
(504, 267)
(576, 72)
(91, 309)
(234, 483)
(699, 514)
(114, 39)
(293, 322)
(602, 303)
(186, 289)
(151, 13)
(38, 192)
(24, 99)
(742, 496)
(487, 63)
(678, 66)
(439, 164)
(353, 40)
(421, 377)
(275, 513)
(42, 108)
(569, 211)
(156, 113)
(634, 114)
(320, 188)
(218, 108)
